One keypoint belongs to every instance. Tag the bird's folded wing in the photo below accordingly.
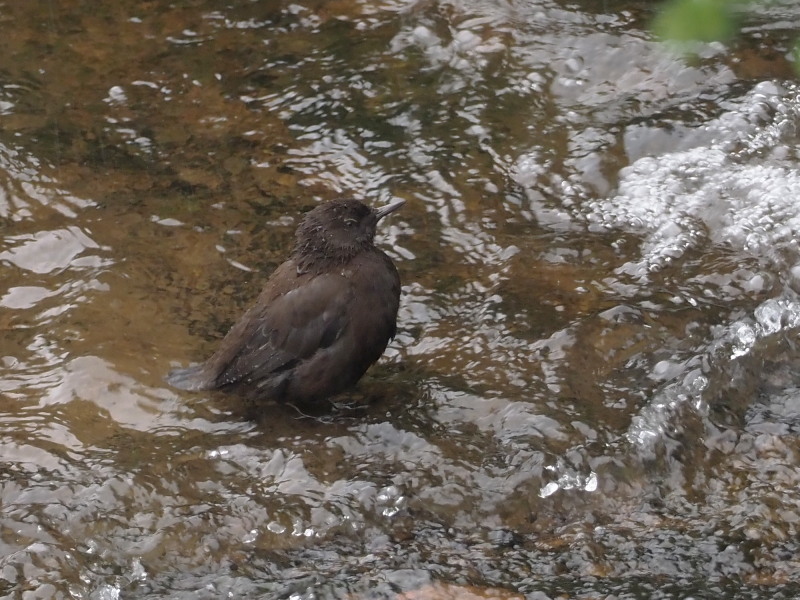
(291, 328)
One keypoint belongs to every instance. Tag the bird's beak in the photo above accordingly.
(389, 208)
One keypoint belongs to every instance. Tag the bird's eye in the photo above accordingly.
(351, 222)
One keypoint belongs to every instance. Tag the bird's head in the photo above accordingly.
(337, 230)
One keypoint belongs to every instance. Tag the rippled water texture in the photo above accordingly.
(594, 391)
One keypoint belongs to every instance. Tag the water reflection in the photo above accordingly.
(592, 390)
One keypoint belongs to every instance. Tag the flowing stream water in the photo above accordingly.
(594, 391)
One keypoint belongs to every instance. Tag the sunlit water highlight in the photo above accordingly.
(593, 390)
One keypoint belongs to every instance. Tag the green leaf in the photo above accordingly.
(695, 20)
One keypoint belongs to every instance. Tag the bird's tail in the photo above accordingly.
(191, 378)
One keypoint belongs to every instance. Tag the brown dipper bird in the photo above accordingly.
(324, 316)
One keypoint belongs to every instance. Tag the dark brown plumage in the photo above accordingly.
(324, 316)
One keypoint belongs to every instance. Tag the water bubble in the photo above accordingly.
(116, 95)
(250, 537)
(743, 337)
(696, 382)
(424, 36)
(391, 499)
(665, 369)
(105, 592)
(769, 316)
(138, 572)
(91, 547)
(755, 283)
(548, 490)
(795, 271)
(276, 527)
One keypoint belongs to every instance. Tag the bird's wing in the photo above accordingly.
(274, 336)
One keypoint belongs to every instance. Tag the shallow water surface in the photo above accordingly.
(593, 391)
